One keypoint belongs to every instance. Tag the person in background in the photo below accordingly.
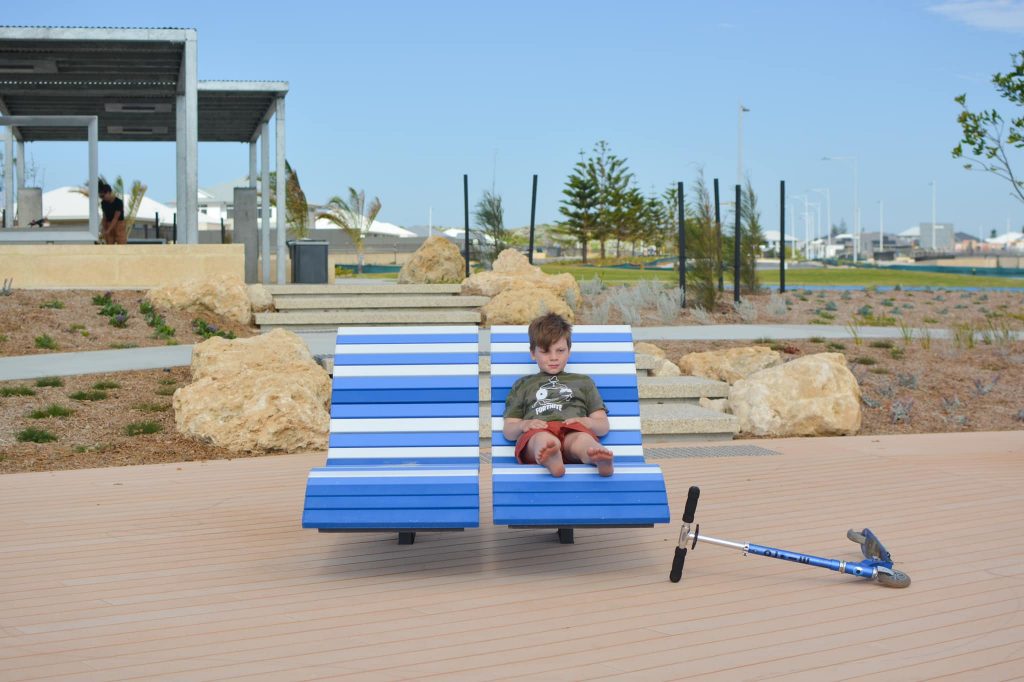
(112, 227)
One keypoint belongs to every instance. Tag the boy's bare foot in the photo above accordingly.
(601, 457)
(550, 456)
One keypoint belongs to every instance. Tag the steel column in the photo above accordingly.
(20, 160)
(252, 164)
(191, 138)
(8, 179)
(94, 174)
(265, 201)
(282, 208)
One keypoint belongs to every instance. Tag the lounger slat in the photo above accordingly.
(571, 498)
(578, 357)
(391, 359)
(613, 438)
(384, 397)
(639, 514)
(404, 383)
(383, 440)
(404, 410)
(391, 519)
(393, 502)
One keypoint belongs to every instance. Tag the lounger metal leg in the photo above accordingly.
(565, 536)
(406, 538)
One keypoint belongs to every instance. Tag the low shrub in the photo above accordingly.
(152, 407)
(8, 391)
(51, 411)
(206, 330)
(49, 381)
(46, 342)
(105, 385)
(88, 395)
(33, 435)
(881, 343)
(142, 428)
(55, 305)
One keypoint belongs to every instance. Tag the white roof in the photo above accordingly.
(914, 231)
(1008, 238)
(68, 203)
(459, 233)
(773, 236)
(377, 227)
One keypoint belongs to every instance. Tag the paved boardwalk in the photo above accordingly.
(200, 571)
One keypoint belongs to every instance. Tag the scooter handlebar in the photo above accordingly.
(691, 504)
(676, 574)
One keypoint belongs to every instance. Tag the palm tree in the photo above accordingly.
(353, 216)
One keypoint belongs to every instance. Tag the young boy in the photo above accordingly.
(556, 417)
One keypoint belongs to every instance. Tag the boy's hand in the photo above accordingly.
(528, 424)
(583, 421)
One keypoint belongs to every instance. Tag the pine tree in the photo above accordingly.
(580, 205)
(702, 248)
(490, 216)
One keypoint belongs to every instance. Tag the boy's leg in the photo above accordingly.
(543, 448)
(585, 449)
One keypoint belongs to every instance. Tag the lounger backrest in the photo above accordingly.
(604, 352)
(406, 395)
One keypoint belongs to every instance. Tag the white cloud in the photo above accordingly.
(995, 15)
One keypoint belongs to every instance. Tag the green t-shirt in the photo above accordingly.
(553, 398)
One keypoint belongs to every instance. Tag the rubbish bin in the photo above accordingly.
(309, 261)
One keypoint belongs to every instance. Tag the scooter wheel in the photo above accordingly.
(853, 535)
(897, 579)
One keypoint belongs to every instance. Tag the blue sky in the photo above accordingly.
(402, 98)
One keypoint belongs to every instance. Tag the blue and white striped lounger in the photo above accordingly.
(526, 495)
(404, 451)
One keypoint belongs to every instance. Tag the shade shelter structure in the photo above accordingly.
(140, 84)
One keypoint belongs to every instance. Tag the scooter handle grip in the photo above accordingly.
(691, 504)
(676, 574)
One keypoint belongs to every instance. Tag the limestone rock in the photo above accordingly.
(260, 299)
(224, 295)
(264, 393)
(815, 395)
(522, 304)
(664, 368)
(729, 365)
(511, 268)
(649, 349)
(437, 261)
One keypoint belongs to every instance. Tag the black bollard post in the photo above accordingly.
(156, 225)
(221, 230)
(782, 236)
(465, 201)
(174, 227)
(680, 204)
(533, 215)
(736, 249)
(720, 261)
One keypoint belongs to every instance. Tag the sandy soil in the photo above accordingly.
(931, 386)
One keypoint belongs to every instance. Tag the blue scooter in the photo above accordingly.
(877, 563)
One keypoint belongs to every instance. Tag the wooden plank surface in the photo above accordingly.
(200, 571)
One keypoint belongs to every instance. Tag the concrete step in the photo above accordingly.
(363, 289)
(331, 320)
(376, 302)
(679, 390)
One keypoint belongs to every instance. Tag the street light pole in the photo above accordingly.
(739, 144)
(803, 198)
(856, 200)
(828, 212)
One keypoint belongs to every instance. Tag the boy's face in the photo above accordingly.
(552, 360)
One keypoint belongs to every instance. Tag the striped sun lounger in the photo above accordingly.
(527, 496)
(404, 451)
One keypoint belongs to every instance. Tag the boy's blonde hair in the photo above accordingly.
(547, 330)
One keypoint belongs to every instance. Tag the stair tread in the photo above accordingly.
(341, 302)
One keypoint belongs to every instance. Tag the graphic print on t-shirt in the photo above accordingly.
(552, 395)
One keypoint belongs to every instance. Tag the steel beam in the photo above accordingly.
(265, 201)
(190, 67)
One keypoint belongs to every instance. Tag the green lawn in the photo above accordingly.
(823, 277)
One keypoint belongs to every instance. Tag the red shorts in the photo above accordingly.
(559, 429)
